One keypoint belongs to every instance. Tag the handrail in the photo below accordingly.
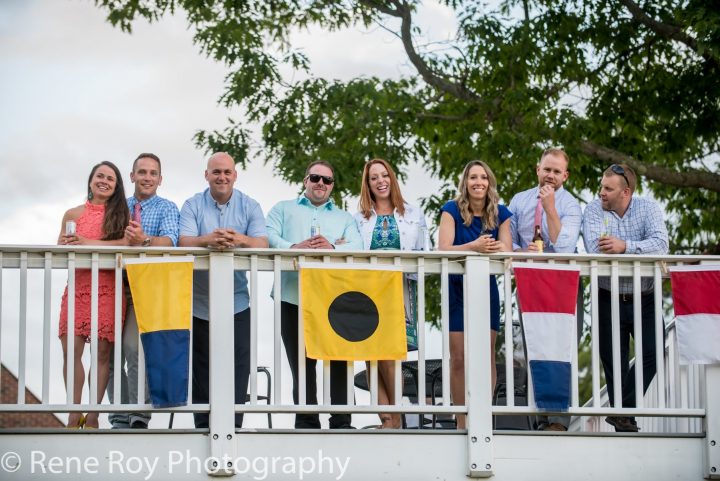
(272, 262)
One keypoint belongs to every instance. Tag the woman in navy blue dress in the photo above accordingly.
(474, 221)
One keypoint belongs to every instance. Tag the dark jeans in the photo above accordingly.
(627, 373)
(338, 374)
(201, 364)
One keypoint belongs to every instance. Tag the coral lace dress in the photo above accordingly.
(89, 225)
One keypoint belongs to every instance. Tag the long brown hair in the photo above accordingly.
(489, 215)
(117, 215)
(367, 198)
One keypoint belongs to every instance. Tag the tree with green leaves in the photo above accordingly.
(629, 81)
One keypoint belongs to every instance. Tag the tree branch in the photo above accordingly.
(447, 118)
(691, 178)
(382, 8)
(671, 32)
(403, 12)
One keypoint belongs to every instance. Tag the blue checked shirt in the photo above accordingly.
(522, 223)
(160, 217)
(200, 215)
(642, 228)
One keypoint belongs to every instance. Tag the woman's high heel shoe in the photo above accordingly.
(80, 424)
(390, 422)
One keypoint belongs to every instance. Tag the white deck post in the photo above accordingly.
(477, 368)
(711, 453)
(222, 349)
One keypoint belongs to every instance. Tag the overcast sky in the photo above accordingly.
(75, 91)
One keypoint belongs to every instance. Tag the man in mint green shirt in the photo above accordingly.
(312, 221)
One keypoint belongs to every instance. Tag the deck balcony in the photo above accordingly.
(679, 416)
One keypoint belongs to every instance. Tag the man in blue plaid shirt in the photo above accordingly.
(153, 222)
(622, 223)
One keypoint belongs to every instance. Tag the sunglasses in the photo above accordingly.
(315, 178)
(618, 169)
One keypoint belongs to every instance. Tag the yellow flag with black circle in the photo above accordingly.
(353, 314)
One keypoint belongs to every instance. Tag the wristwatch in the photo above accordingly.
(146, 242)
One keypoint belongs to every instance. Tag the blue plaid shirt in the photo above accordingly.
(522, 223)
(642, 228)
(160, 217)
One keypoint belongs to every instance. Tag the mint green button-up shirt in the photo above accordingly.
(289, 222)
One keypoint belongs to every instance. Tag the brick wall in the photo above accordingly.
(8, 395)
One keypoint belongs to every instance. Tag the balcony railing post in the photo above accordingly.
(477, 368)
(222, 391)
(711, 452)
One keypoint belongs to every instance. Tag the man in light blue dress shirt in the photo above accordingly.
(154, 222)
(560, 218)
(620, 222)
(221, 217)
(312, 221)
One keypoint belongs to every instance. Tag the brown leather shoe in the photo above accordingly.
(553, 427)
(622, 424)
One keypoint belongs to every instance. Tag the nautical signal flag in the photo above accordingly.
(352, 314)
(162, 295)
(548, 298)
(696, 297)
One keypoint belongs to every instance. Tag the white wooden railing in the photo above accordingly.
(32, 279)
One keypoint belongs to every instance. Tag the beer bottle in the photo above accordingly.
(538, 240)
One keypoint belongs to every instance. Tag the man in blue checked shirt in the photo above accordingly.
(557, 212)
(153, 222)
(221, 217)
(622, 223)
(312, 221)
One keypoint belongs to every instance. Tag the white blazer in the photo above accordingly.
(412, 226)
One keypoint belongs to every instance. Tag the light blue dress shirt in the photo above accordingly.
(522, 223)
(159, 217)
(200, 215)
(642, 228)
(289, 222)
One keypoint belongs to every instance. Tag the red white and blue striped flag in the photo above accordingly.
(548, 301)
(696, 296)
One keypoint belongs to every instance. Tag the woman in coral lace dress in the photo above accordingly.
(100, 221)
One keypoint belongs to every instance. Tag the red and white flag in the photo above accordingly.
(548, 301)
(696, 296)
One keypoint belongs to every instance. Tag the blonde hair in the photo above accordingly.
(555, 151)
(367, 199)
(489, 215)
